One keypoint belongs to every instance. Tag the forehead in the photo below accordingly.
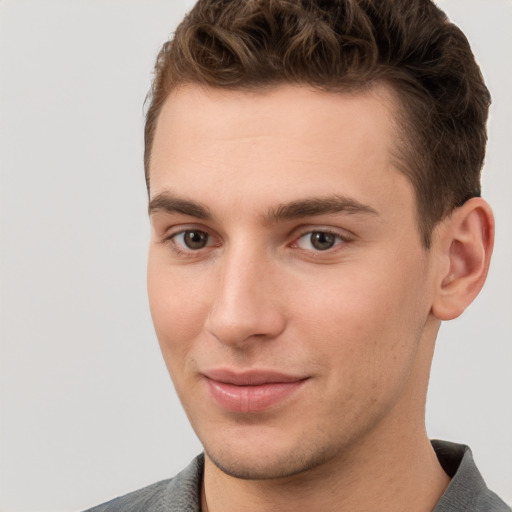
(298, 111)
(286, 141)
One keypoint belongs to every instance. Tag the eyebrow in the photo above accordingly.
(310, 207)
(318, 206)
(170, 203)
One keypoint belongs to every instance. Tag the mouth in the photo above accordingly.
(251, 391)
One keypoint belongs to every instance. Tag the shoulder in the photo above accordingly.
(467, 490)
(181, 493)
(149, 498)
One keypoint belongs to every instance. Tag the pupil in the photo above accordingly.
(195, 239)
(322, 241)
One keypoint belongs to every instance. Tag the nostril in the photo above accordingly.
(238, 326)
(244, 306)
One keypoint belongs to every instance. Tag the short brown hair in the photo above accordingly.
(347, 45)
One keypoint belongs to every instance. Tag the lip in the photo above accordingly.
(251, 391)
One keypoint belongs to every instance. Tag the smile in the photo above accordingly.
(253, 391)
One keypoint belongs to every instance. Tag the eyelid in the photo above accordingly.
(342, 235)
(173, 232)
(339, 232)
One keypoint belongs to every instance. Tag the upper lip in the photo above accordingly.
(252, 377)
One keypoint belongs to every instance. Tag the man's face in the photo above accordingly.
(288, 285)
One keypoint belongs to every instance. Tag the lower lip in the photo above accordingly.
(251, 398)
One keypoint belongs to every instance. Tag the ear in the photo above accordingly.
(464, 243)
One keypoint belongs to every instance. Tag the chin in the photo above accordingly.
(262, 462)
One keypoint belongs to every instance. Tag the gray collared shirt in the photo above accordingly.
(466, 492)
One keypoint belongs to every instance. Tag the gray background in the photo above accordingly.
(87, 409)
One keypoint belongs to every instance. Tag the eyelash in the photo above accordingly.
(181, 251)
(186, 252)
(339, 242)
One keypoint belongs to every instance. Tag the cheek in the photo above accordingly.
(178, 309)
(363, 323)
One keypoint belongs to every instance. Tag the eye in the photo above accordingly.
(192, 239)
(319, 240)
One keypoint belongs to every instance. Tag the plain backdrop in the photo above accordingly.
(87, 409)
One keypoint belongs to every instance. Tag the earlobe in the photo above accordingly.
(465, 242)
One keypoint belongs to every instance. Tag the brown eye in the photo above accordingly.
(322, 241)
(319, 240)
(192, 239)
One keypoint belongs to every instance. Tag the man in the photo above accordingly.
(313, 175)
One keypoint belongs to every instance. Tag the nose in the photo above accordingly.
(246, 300)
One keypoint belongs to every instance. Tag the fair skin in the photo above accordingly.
(295, 305)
